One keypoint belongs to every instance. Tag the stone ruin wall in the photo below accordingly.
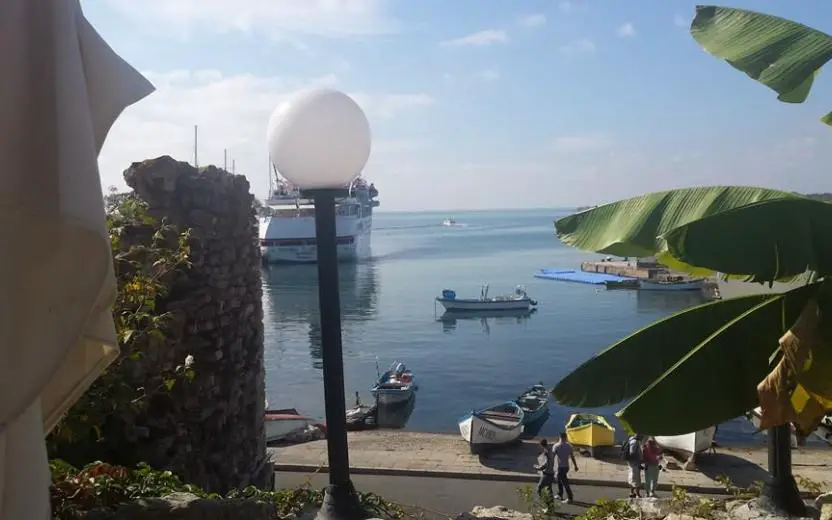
(211, 433)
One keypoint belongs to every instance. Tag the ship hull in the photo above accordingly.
(353, 243)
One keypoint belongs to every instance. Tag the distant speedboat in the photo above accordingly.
(492, 427)
(394, 386)
(517, 301)
(449, 222)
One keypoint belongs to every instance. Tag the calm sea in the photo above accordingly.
(389, 314)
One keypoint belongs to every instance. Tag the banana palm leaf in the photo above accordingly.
(625, 369)
(781, 54)
(632, 227)
(767, 240)
(717, 379)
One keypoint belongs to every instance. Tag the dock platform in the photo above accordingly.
(570, 275)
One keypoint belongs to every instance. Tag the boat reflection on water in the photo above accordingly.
(667, 301)
(392, 416)
(290, 303)
(450, 318)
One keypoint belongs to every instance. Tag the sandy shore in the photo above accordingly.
(428, 454)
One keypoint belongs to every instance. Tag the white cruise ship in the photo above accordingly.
(288, 235)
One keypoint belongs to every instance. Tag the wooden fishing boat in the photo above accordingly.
(534, 402)
(688, 444)
(492, 427)
(396, 385)
(626, 283)
(284, 424)
(517, 301)
(590, 431)
(677, 283)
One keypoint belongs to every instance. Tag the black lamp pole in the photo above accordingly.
(781, 487)
(340, 501)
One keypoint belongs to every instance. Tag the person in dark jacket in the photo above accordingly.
(546, 466)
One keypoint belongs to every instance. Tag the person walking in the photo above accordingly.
(563, 454)
(652, 454)
(545, 465)
(634, 456)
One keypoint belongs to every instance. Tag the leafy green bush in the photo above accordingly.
(74, 492)
(148, 256)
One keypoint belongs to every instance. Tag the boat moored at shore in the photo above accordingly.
(675, 283)
(492, 427)
(688, 444)
(396, 385)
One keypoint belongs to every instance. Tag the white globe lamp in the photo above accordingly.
(319, 139)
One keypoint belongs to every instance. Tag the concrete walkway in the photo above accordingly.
(441, 455)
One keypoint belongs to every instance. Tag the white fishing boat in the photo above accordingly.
(517, 301)
(448, 222)
(822, 432)
(396, 385)
(672, 283)
(492, 427)
(288, 235)
(286, 423)
(688, 444)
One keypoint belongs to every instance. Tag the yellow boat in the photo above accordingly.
(589, 430)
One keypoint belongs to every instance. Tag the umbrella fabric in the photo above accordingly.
(61, 89)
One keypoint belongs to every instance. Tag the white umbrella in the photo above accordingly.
(61, 89)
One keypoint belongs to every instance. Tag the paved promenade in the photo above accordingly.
(441, 455)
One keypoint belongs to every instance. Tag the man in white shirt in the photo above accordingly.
(563, 453)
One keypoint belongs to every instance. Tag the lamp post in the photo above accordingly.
(781, 487)
(320, 141)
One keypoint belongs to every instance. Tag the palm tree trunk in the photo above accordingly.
(781, 487)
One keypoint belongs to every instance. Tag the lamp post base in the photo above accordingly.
(784, 493)
(341, 503)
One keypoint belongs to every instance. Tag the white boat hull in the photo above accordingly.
(481, 434)
(278, 245)
(822, 432)
(392, 396)
(688, 444)
(487, 305)
(695, 285)
(282, 428)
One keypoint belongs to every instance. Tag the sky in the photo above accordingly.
(473, 104)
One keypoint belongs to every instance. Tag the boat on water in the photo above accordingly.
(822, 432)
(287, 233)
(287, 425)
(517, 301)
(492, 427)
(627, 283)
(591, 431)
(449, 222)
(396, 385)
(672, 283)
(534, 402)
(688, 444)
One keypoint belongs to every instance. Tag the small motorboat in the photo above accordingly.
(673, 283)
(590, 431)
(822, 432)
(362, 417)
(492, 427)
(688, 445)
(517, 301)
(627, 283)
(534, 402)
(396, 385)
(286, 424)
